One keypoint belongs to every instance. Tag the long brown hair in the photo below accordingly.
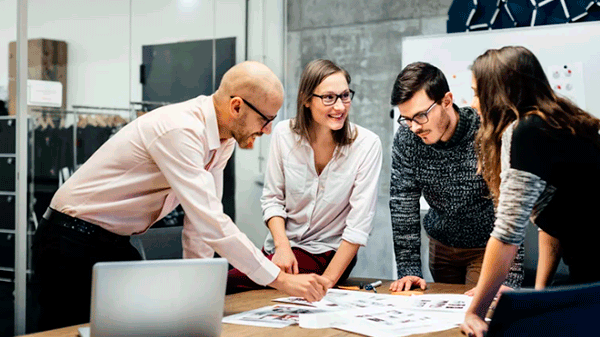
(511, 84)
(313, 74)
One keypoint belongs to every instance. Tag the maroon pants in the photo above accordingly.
(307, 263)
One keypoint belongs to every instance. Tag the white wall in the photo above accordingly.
(97, 40)
(170, 21)
(105, 43)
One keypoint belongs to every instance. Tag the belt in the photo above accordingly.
(83, 227)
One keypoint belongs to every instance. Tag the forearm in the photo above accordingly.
(342, 258)
(276, 226)
(516, 273)
(496, 264)
(549, 254)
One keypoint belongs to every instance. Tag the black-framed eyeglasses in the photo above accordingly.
(330, 99)
(267, 119)
(419, 118)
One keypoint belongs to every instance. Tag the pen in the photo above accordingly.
(375, 284)
(372, 286)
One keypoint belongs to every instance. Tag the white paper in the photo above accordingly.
(382, 321)
(84, 332)
(384, 315)
(276, 316)
(44, 93)
(441, 302)
(394, 332)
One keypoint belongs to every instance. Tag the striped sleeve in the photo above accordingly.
(519, 191)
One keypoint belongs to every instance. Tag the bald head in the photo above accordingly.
(254, 82)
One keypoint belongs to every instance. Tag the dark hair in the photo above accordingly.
(511, 84)
(313, 74)
(417, 76)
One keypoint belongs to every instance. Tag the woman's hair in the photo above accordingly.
(511, 84)
(313, 74)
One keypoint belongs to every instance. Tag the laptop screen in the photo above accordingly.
(183, 297)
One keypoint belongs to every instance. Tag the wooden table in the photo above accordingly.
(260, 298)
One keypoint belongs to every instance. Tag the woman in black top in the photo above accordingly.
(540, 155)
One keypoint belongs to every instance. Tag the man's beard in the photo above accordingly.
(248, 141)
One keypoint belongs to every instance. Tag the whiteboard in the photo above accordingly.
(576, 45)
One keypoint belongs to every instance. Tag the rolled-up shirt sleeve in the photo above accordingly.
(179, 154)
(363, 200)
(273, 197)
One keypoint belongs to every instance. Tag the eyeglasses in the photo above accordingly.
(267, 119)
(419, 118)
(330, 99)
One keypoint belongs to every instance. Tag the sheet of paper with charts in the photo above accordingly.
(275, 316)
(364, 313)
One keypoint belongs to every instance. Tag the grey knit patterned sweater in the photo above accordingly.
(461, 213)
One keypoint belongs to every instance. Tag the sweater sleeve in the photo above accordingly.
(404, 208)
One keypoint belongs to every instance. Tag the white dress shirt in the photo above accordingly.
(321, 210)
(170, 155)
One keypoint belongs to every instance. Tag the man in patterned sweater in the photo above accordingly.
(433, 155)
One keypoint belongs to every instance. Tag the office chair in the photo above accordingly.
(561, 311)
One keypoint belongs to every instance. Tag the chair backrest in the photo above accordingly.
(561, 311)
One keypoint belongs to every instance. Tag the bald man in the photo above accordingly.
(172, 155)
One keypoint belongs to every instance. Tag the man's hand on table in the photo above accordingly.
(311, 287)
(407, 282)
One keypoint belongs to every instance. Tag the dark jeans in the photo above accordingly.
(62, 261)
(307, 263)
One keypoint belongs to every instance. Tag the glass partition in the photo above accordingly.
(93, 67)
(77, 76)
(8, 33)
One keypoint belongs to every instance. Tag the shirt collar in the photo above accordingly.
(212, 128)
(342, 150)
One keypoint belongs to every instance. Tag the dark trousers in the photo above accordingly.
(62, 261)
(307, 263)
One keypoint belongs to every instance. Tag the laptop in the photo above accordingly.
(183, 297)
(560, 311)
